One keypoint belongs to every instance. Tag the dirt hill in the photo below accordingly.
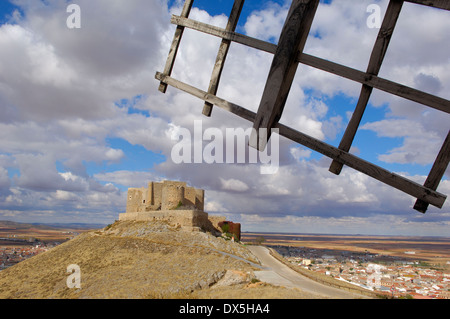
(142, 260)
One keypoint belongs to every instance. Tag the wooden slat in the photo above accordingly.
(282, 71)
(376, 59)
(401, 183)
(205, 96)
(436, 173)
(175, 44)
(222, 33)
(376, 82)
(440, 4)
(222, 54)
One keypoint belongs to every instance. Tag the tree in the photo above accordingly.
(259, 240)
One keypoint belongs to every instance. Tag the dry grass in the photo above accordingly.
(138, 260)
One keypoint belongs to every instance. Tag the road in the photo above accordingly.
(276, 273)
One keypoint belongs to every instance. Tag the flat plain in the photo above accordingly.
(432, 250)
(39, 232)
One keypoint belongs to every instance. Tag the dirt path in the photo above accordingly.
(276, 273)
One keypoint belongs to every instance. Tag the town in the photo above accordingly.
(391, 276)
(14, 249)
(11, 255)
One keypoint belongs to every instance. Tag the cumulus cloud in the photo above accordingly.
(420, 145)
(234, 185)
(58, 100)
(63, 98)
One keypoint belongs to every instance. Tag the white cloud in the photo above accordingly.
(65, 196)
(234, 185)
(58, 107)
(299, 153)
(128, 178)
(267, 23)
(420, 146)
(5, 183)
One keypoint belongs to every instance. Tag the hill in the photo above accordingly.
(141, 260)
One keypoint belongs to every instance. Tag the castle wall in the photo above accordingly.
(199, 199)
(157, 195)
(137, 198)
(186, 219)
(233, 228)
(215, 220)
(194, 198)
(189, 197)
(150, 198)
(161, 201)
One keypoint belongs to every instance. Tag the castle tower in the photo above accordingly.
(172, 195)
(136, 200)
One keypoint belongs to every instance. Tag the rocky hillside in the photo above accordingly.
(142, 260)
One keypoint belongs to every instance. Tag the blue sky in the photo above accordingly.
(92, 122)
(6, 9)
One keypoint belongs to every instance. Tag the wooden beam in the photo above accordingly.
(401, 183)
(175, 44)
(376, 59)
(436, 173)
(376, 82)
(224, 34)
(440, 4)
(222, 54)
(282, 71)
(205, 96)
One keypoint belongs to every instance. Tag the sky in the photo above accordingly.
(82, 120)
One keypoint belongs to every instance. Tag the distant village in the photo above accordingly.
(388, 275)
(18, 249)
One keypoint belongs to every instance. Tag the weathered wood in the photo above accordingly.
(352, 127)
(222, 54)
(282, 71)
(205, 96)
(222, 33)
(436, 173)
(440, 4)
(401, 183)
(376, 82)
(175, 44)
(376, 59)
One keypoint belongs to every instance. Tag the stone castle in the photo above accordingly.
(164, 196)
(174, 202)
